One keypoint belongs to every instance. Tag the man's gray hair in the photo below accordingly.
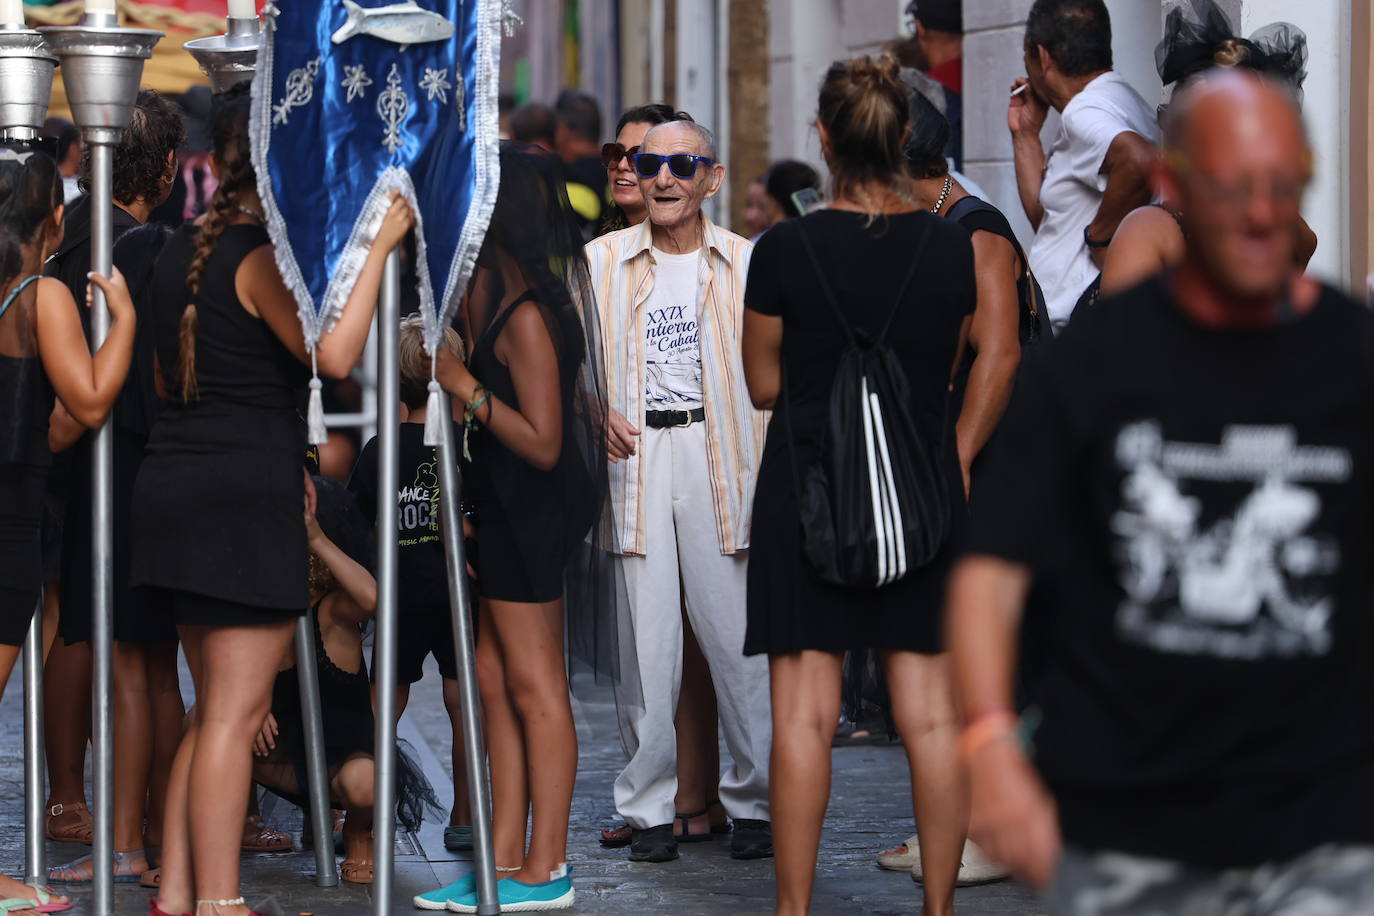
(708, 139)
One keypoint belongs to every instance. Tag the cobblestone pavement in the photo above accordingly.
(870, 809)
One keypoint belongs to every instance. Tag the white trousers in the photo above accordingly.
(684, 567)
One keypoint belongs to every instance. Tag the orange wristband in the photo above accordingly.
(987, 728)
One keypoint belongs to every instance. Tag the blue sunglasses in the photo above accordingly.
(682, 165)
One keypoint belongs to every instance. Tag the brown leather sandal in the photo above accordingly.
(260, 837)
(356, 872)
(79, 831)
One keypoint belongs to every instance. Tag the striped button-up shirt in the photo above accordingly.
(622, 271)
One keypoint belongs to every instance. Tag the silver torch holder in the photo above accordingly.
(26, 67)
(230, 58)
(102, 66)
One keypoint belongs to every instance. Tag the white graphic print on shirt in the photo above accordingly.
(417, 516)
(1245, 580)
(672, 342)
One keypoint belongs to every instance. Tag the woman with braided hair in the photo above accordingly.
(216, 541)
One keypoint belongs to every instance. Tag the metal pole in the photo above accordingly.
(34, 872)
(474, 749)
(384, 648)
(102, 557)
(316, 767)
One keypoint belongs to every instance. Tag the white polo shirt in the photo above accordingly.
(1073, 186)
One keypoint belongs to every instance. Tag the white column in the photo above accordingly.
(1326, 108)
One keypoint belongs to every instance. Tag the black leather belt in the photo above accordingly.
(663, 419)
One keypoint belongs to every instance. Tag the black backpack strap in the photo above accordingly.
(830, 296)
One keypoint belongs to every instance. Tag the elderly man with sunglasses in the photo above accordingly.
(685, 443)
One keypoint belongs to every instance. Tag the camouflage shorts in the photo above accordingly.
(1327, 881)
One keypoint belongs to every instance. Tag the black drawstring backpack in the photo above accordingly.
(876, 503)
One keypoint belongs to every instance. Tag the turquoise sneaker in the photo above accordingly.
(438, 900)
(518, 897)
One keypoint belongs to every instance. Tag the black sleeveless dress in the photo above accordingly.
(216, 525)
(25, 401)
(528, 520)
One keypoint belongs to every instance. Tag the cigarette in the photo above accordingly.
(1019, 89)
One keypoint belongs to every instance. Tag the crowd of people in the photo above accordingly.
(1083, 519)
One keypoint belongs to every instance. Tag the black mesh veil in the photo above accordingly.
(534, 243)
(30, 190)
(1198, 36)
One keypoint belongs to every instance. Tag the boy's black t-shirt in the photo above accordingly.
(1197, 506)
(421, 573)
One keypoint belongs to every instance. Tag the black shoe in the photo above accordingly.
(752, 839)
(657, 844)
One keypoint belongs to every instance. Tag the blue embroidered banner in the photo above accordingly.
(353, 100)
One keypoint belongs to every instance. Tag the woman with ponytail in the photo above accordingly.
(216, 542)
(903, 280)
(43, 352)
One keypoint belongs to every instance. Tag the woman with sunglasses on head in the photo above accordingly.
(43, 352)
(627, 203)
(218, 539)
(901, 275)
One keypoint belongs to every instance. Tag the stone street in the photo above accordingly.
(870, 809)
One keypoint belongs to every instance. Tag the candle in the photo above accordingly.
(105, 7)
(12, 12)
(243, 9)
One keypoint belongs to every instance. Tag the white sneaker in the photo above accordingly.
(974, 868)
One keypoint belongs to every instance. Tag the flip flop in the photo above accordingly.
(151, 878)
(14, 904)
(45, 895)
(616, 837)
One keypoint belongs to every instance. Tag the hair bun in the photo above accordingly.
(879, 74)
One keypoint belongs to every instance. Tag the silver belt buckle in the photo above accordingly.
(688, 415)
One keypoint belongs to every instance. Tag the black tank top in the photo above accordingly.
(239, 360)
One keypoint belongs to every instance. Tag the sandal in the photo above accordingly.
(687, 836)
(44, 896)
(616, 837)
(79, 831)
(724, 826)
(261, 837)
(151, 878)
(73, 873)
(356, 872)
(15, 904)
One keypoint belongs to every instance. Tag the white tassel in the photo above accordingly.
(315, 432)
(314, 414)
(434, 431)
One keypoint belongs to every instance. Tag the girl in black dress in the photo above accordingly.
(42, 351)
(866, 241)
(343, 596)
(216, 540)
(536, 481)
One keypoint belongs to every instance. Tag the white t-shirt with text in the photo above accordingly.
(1073, 186)
(672, 342)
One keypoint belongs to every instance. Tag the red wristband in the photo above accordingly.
(984, 730)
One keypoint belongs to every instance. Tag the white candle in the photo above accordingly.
(101, 6)
(243, 9)
(12, 12)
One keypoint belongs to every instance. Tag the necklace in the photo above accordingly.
(251, 212)
(944, 195)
